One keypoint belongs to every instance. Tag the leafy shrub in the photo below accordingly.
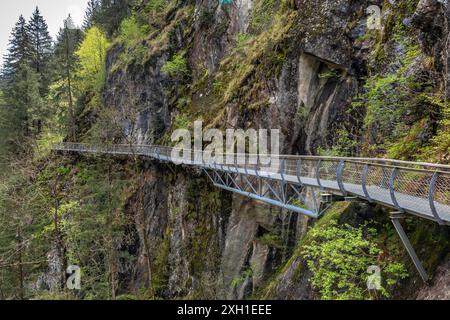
(261, 15)
(247, 273)
(410, 146)
(242, 40)
(339, 256)
(271, 240)
(181, 122)
(177, 66)
(344, 145)
(156, 5)
(329, 74)
(92, 56)
(441, 142)
(131, 31)
(384, 105)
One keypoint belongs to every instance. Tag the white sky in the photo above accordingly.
(54, 12)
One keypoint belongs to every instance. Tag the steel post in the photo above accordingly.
(395, 217)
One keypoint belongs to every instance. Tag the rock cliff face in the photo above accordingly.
(301, 76)
(440, 288)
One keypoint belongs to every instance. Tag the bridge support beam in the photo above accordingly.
(396, 217)
(281, 194)
(270, 201)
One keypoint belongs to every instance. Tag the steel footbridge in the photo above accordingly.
(420, 189)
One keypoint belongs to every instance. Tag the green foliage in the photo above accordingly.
(344, 145)
(24, 202)
(272, 240)
(400, 109)
(409, 147)
(92, 55)
(247, 273)
(131, 31)
(54, 296)
(441, 142)
(242, 40)
(26, 78)
(108, 14)
(44, 206)
(261, 15)
(160, 270)
(26, 111)
(95, 228)
(385, 102)
(329, 74)
(390, 98)
(91, 13)
(19, 50)
(132, 34)
(127, 297)
(255, 59)
(181, 121)
(41, 49)
(45, 142)
(156, 5)
(339, 256)
(177, 66)
(62, 97)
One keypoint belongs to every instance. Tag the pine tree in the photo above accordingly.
(13, 117)
(19, 50)
(41, 48)
(107, 14)
(111, 13)
(28, 104)
(64, 66)
(91, 15)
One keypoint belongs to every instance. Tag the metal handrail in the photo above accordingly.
(389, 163)
(416, 187)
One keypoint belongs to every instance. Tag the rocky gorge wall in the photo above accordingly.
(297, 70)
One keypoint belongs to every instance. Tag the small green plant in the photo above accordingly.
(247, 273)
(177, 66)
(218, 86)
(440, 144)
(181, 121)
(385, 96)
(261, 15)
(156, 5)
(329, 74)
(242, 39)
(131, 31)
(271, 240)
(344, 145)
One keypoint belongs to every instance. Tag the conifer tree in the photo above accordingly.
(111, 13)
(19, 50)
(28, 104)
(91, 15)
(41, 48)
(65, 63)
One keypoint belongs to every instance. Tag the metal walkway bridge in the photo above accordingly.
(420, 189)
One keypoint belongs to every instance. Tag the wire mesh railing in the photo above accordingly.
(414, 187)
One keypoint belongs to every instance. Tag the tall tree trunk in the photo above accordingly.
(58, 234)
(144, 233)
(69, 87)
(111, 242)
(19, 242)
